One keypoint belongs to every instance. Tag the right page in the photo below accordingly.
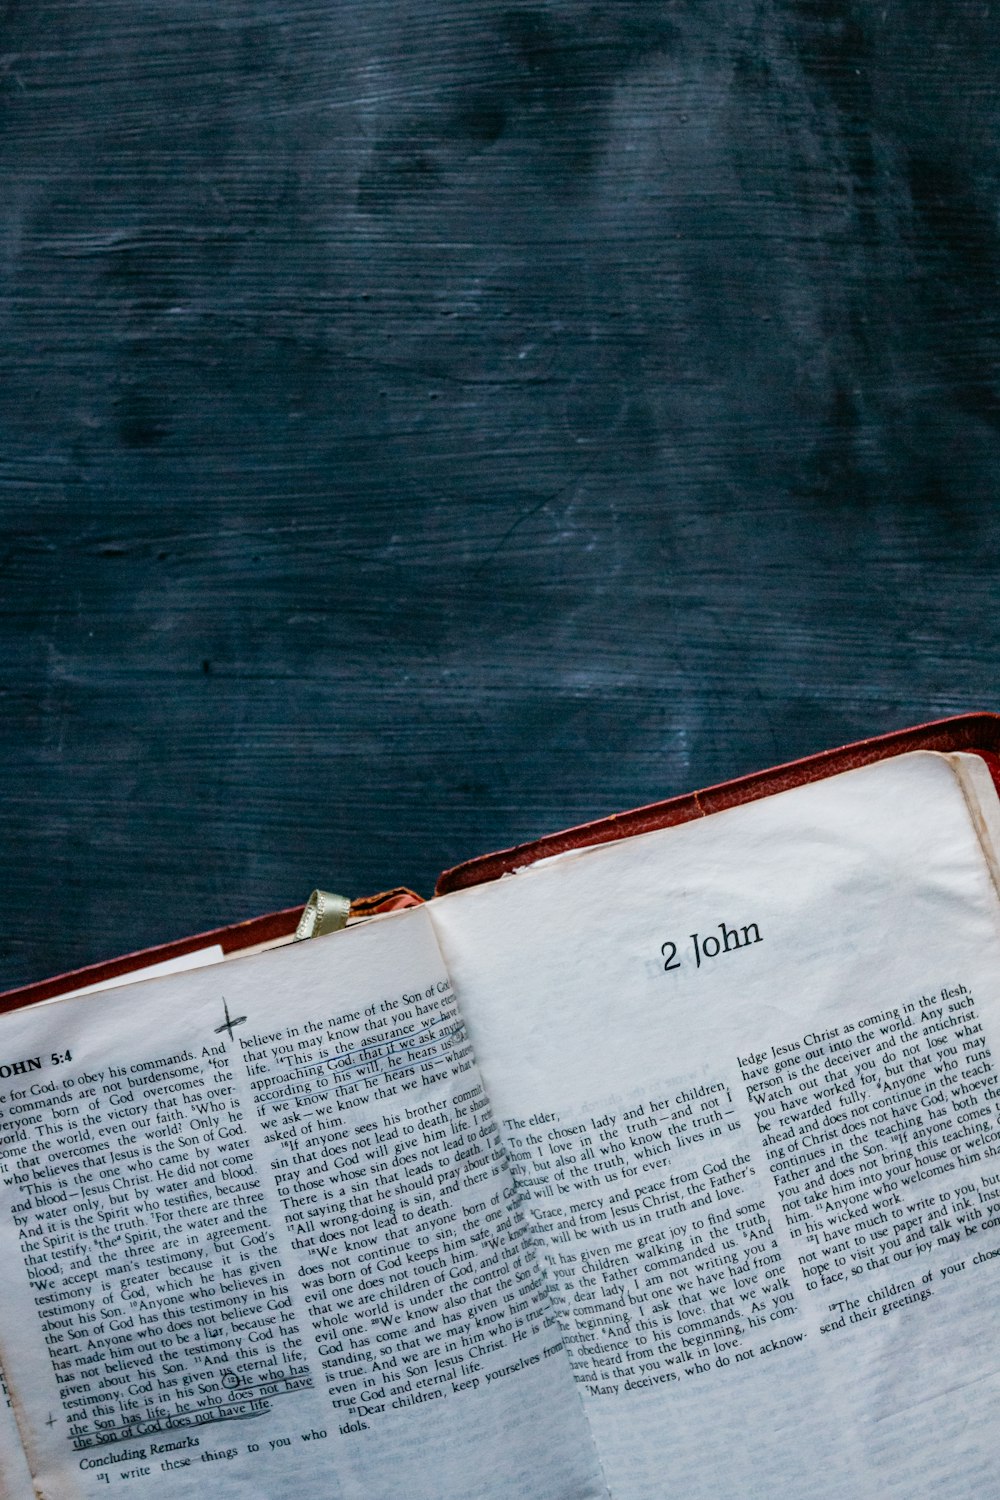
(747, 1073)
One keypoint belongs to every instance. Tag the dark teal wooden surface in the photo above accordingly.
(422, 426)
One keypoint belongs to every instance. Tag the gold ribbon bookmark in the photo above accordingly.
(323, 913)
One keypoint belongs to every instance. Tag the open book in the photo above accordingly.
(667, 1167)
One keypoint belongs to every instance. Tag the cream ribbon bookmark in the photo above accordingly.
(323, 913)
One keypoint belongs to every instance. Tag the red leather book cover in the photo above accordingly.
(232, 939)
(978, 732)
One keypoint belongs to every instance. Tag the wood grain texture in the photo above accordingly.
(424, 426)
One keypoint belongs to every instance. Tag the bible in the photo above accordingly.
(661, 1156)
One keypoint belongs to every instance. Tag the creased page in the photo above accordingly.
(15, 1476)
(747, 1072)
(259, 1234)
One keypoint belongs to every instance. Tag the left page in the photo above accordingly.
(258, 1231)
(15, 1476)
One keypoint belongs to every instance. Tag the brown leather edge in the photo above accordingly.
(231, 939)
(978, 732)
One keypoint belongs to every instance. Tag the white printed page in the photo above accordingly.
(259, 1235)
(747, 1072)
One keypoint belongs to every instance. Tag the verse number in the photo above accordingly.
(61, 1057)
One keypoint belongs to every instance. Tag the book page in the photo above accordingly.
(15, 1476)
(747, 1072)
(199, 959)
(259, 1234)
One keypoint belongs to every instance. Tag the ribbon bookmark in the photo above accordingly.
(323, 913)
